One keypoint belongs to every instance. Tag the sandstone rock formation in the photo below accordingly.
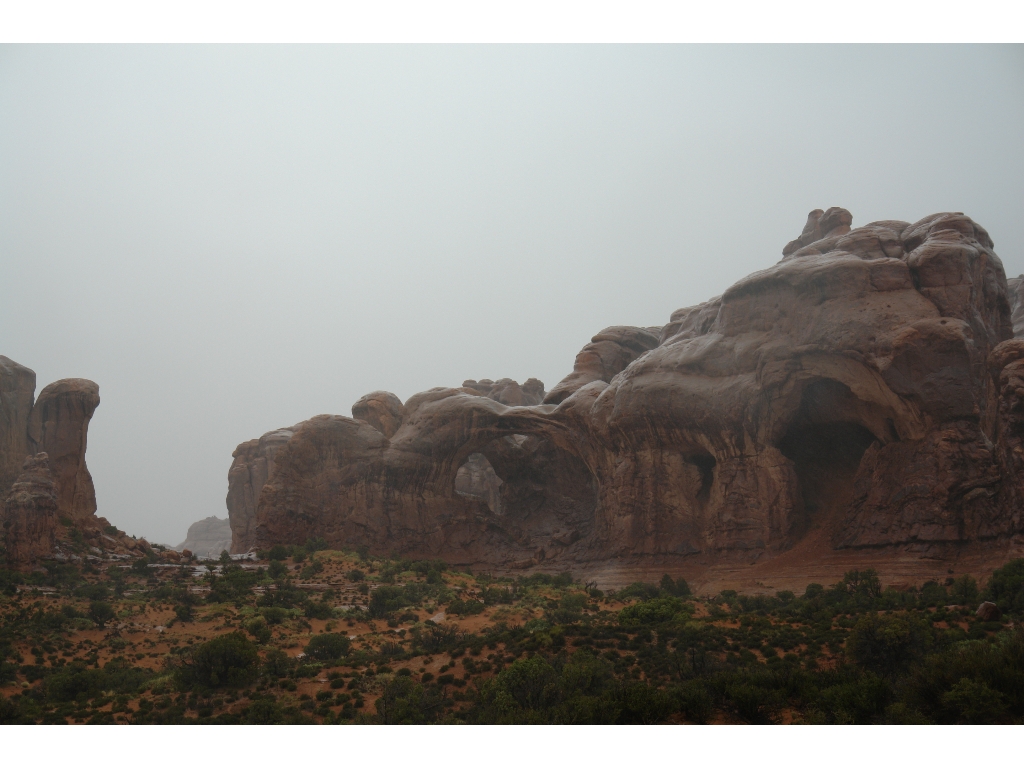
(507, 391)
(54, 426)
(59, 426)
(607, 354)
(17, 392)
(30, 518)
(56, 423)
(253, 464)
(207, 538)
(862, 392)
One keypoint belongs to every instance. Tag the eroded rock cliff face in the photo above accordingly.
(30, 518)
(59, 426)
(253, 464)
(863, 390)
(17, 394)
(45, 486)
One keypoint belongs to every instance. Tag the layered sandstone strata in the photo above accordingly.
(864, 389)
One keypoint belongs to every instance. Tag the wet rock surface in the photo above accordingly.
(862, 392)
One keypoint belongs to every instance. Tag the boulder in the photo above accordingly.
(381, 410)
(988, 612)
(30, 514)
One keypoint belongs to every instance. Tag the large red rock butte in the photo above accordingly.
(865, 393)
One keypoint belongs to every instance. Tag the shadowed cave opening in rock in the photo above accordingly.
(826, 441)
(826, 457)
(705, 464)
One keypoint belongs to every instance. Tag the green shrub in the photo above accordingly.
(311, 570)
(678, 588)
(278, 663)
(887, 644)
(318, 609)
(641, 704)
(183, 612)
(328, 646)
(273, 615)
(277, 552)
(101, 612)
(355, 575)
(234, 584)
(264, 712)
(229, 660)
(639, 590)
(259, 630)
(972, 702)
(1006, 587)
(466, 607)
(93, 591)
(648, 612)
(964, 590)
(403, 701)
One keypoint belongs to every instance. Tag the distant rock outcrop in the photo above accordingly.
(30, 518)
(864, 389)
(207, 538)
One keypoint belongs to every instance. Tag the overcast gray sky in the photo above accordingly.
(232, 239)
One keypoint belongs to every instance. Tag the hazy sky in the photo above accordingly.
(233, 239)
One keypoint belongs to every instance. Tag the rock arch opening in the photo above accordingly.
(477, 479)
(544, 495)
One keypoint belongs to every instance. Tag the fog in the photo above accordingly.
(233, 239)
